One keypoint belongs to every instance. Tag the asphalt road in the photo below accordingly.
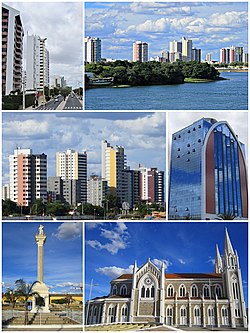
(73, 103)
(51, 105)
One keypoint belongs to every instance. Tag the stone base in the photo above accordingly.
(43, 291)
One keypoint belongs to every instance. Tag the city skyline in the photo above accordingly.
(142, 135)
(211, 26)
(121, 244)
(64, 240)
(64, 40)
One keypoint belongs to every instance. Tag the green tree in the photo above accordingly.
(38, 207)
(9, 207)
(227, 216)
(24, 292)
(57, 208)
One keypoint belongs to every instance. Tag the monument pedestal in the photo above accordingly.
(43, 291)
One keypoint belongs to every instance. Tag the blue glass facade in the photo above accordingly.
(187, 197)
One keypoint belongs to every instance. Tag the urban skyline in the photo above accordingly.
(64, 240)
(64, 40)
(195, 251)
(147, 146)
(211, 26)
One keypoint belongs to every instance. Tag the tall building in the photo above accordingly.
(6, 192)
(152, 185)
(97, 190)
(231, 54)
(196, 54)
(71, 165)
(12, 50)
(238, 54)
(245, 58)
(187, 46)
(134, 187)
(140, 51)
(113, 170)
(55, 189)
(199, 300)
(208, 174)
(93, 50)
(208, 57)
(28, 177)
(37, 63)
(58, 82)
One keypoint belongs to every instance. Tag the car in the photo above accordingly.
(56, 100)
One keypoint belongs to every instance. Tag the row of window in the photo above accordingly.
(194, 291)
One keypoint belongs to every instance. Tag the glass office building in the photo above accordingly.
(208, 174)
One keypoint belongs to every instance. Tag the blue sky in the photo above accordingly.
(112, 248)
(62, 255)
(211, 25)
(142, 134)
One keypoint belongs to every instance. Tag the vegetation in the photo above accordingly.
(151, 73)
(227, 216)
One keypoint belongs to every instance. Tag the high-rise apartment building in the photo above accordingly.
(187, 46)
(93, 50)
(238, 54)
(58, 82)
(6, 192)
(37, 63)
(208, 57)
(12, 50)
(245, 58)
(231, 54)
(208, 174)
(72, 165)
(113, 170)
(152, 185)
(97, 190)
(28, 177)
(140, 51)
(196, 54)
(134, 188)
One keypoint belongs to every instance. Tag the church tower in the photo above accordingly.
(232, 280)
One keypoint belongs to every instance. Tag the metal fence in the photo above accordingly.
(74, 315)
(8, 314)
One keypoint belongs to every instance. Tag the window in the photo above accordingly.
(182, 291)
(143, 291)
(170, 291)
(194, 291)
(153, 291)
(123, 290)
(218, 291)
(114, 291)
(206, 292)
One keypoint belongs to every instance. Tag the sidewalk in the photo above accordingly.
(40, 102)
(62, 104)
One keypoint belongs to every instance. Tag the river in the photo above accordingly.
(218, 95)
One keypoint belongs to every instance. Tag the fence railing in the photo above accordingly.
(8, 314)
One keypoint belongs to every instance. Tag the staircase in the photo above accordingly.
(41, 319)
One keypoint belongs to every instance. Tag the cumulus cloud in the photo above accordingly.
(69, 230)
(114, 272)
(159, 262)
(117, 239)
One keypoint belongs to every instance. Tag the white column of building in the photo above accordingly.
(103, 313)
(131, 310)
(162, 294)
(217, 311)
(117, 313)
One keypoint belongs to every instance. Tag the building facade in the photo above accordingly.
(37, 63)
(152, 185)
(55, 189)
(12, 50)
(140, 51)
(93, 50)
(196, 54)
(6, 192)
(208, 175)
(72, 165)
(28, 177)
(187, 46)
(179, 299)
(58, 82)
(97, 190)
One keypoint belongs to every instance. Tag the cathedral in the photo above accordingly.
(149, 295)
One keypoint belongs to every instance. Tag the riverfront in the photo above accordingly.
(217, 95)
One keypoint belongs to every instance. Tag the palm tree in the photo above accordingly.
(24, 291)
(12, 297)
(227, 216)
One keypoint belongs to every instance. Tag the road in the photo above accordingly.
(51, 105)
(72, 103)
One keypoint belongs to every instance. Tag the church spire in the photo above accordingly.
(228, 249)
(218, 261)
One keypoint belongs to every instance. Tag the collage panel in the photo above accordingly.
(208, 154)
(166, 55)
(165, 276)
(42, 276)
(42, 56)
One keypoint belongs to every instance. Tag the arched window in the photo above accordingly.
(232, 261)
(218, 291)
(114, 290)
(148, 293)
(123, 290)
(182, 291)
(170, 291)
(169, 311)
(143, 291)
(206, 292)
(194, 291)
(124, 310)
(152, 291)
(196, 311)
(235, 289)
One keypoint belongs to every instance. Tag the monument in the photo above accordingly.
(40, 303)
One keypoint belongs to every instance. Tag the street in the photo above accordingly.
(72, 103)
(51, 105)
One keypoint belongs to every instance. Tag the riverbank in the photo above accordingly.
(196, 80)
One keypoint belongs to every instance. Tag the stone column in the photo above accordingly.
(40, 241)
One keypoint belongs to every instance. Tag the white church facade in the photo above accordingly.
(149, 295)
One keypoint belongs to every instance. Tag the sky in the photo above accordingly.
(62, 255)
(237, 120)
(211, 25)
(62, 24)
(112, 248)
(142, 134)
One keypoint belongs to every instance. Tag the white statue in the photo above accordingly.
(41, 229)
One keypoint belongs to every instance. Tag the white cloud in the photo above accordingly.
(232, 19)
(182, 261)
(69, 230)
(159, 262)
(114, 272)
(67, 284)
(118, 239)
(92, 225)
(211, 260)
(28, 127)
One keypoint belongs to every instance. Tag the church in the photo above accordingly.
(149, 295)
